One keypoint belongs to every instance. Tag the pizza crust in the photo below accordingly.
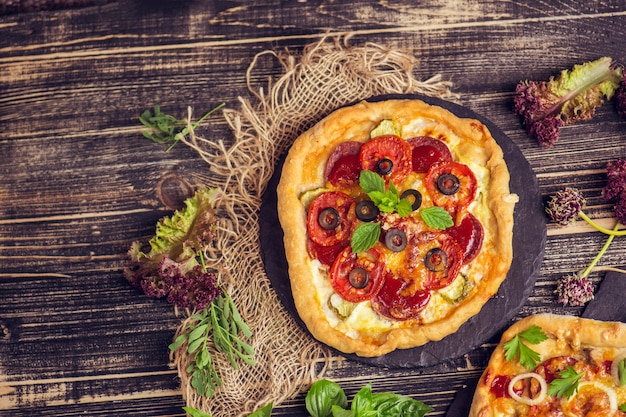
(303, 170)
(568, 335)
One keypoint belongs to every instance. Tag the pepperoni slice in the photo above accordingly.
(342, 205)
(436, 260)
(357, 277)
(469, 234)
(388, 155)
(398, 301)
(344, 166)
(325, 254)
(427, 151)
(451, 185)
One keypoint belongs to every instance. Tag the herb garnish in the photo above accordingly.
(622, 407)
(622, 372)
(165, 128)
(566, 384)
(437, 217)
(388, 200)
(516, 348)
(222, 320)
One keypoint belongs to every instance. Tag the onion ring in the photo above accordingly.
(610, 392)
(524, 400)
(615, 368)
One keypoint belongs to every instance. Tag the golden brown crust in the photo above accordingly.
(304, 170)
(567, 336)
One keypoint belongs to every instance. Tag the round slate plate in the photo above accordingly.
(529, 238)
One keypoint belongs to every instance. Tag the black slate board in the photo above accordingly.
(529, 238)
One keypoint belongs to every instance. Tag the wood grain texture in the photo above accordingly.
(78, 183)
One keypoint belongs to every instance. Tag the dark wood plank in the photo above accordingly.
(78, 183)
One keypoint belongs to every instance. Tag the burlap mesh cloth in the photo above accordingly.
(326, 75)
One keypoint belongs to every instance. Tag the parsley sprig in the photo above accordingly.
(165, 128)
(388, 200)
(566, 384)
(517, 348)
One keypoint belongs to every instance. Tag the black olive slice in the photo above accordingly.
(436, 260)
(366, 211)
(448, 184)
(358, 278)
(395, 239)
(328, 218)
(384, 166)
(415, 195)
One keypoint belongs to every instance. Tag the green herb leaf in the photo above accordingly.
(404, 207)
(389, 404)
(263, 412)
(322, 396)
(622, 372)
(371, 182)
(622, 407)
(195, 413)
(165, 128)
(364, 237)
(437, 217)
(567, 383)
(516, 348)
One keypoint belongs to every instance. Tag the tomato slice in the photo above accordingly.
(398, 301)
(343, 205)
(387, 155)
(343, 165)
(436, 260)
(438, 182)
(427, 151)
(357, 277)
(469, 234)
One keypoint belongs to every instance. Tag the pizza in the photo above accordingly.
(398, 222)
(550, 365)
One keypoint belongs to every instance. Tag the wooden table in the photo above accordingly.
(78, 182)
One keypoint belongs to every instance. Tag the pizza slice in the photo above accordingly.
(550, 365)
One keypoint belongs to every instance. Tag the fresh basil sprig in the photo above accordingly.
(388, 200)
(326, 398)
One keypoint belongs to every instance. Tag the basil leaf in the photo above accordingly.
(364, 237)
(437, 217)
(377, 197)
(341, 412)
(362, 404)
(371, 181)
(404, 207)
(263, 412)
(322, 396)
(389, 404)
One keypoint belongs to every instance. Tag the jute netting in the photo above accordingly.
(326, 75)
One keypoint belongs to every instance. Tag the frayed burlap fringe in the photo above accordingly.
(328, 74)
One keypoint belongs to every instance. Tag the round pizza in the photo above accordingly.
(398, 222)
(550, 365)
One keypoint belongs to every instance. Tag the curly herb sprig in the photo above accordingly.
(165, 128)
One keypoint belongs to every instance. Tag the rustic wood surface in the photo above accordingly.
(78, 183)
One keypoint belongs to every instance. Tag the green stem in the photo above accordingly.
(602, 251)
(614, 232)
